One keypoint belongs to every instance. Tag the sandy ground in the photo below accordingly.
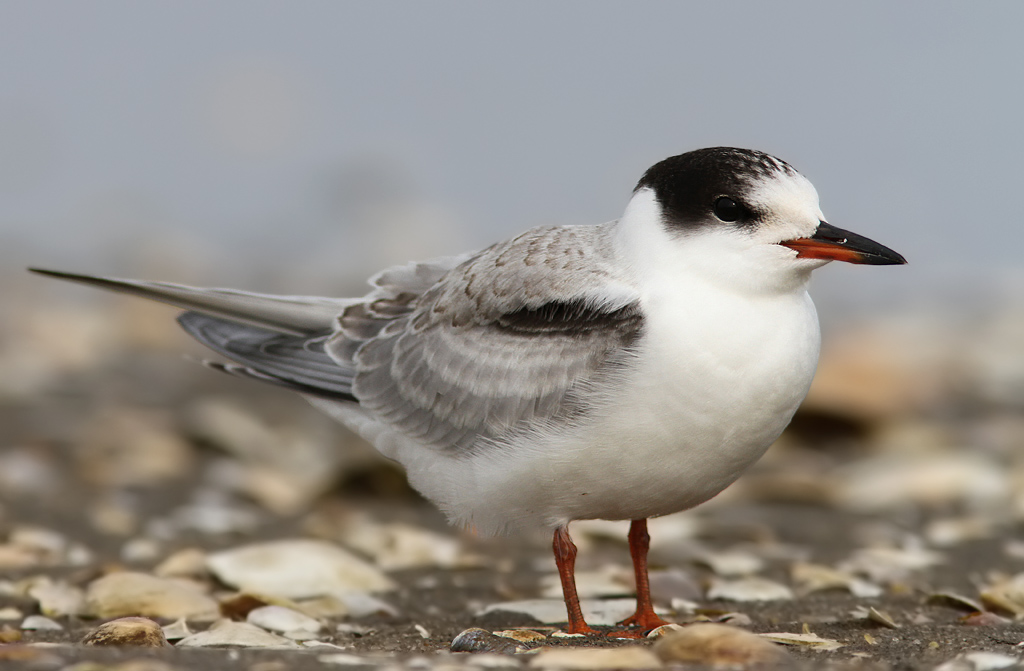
(119, 461)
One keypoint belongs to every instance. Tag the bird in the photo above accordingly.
(618, 371)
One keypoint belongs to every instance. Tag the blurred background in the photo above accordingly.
(300, 146)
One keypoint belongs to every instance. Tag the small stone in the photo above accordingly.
(719, 645)
(177, 630)
(954, 531)
(187, 563)
(127, 593)
(1006, 594)
(805, 639)
(984, 619)
(323, 607)
(11, 613)
(891, 565)
(749, 589)
(57, 599)
(296, 569)
(354, 630)
(664, 630)
(815, 577)
(114, 516)
(235, 634)
(125, 448)
(140, 550)
(397, 546)
(882, 618)
(481, 640)
(521, 635)
(283, 621)
(237, 606)
(134, 631)
(892, 480)
(626, 657)
(732, 563)
(40, 623)
(361, 604)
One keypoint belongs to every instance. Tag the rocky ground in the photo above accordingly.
(157, 515)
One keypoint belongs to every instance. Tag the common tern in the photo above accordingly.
(618, 371)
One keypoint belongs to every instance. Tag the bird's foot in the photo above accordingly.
(645, 621)
(582, 629)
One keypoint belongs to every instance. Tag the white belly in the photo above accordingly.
(709, 395)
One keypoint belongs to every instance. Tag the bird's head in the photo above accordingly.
(744, 214)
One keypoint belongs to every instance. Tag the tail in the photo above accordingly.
(297, 315)
(275, 339)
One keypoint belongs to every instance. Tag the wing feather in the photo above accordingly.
(504, 340)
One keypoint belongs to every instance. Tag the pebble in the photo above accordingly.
(187, 563)
(749, 589)
(296, 569)
(125, 447)
(134, 631)
(216, 518)
(816, 577)
(522, 635)
(129, 593)
(958, 600)
(141, 550)
(954, 531)
(57, 599)
(235, 634)
(323, 607)
(1006, 594)
(481, 640)
(892, 480)
(177, 630)
(719, 645)
(626, 657)
(890, 565)
(361, 604)
(806, 639)
(397, 546)
(285, 621)
(731, 563)
(283, 468)
(40, 623)
(984, 619)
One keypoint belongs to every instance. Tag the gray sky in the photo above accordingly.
(261, 130)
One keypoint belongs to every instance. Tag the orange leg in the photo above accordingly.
(639, 544)
(565, 557)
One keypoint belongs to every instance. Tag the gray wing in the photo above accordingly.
(275, 339)
(505, 339)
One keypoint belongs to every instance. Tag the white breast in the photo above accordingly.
(720, 370)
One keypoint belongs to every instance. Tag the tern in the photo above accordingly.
(618, 371)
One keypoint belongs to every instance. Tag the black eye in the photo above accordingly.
(727, 209)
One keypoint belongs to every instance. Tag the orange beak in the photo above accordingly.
(835, 244)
